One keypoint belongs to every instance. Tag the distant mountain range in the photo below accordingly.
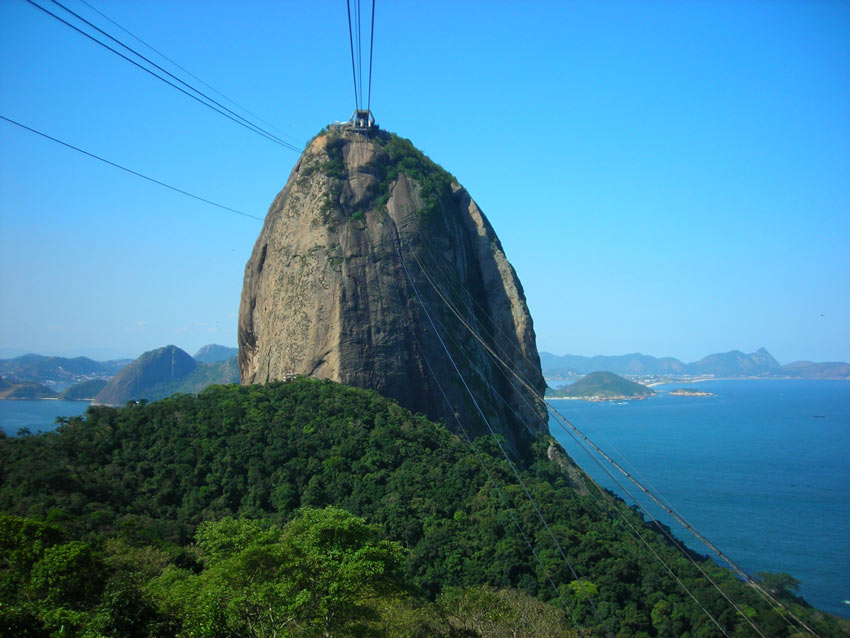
(722, 365)
(57, 373)
(162, 372)
(154, 375)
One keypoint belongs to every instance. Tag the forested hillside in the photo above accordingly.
(311, 508)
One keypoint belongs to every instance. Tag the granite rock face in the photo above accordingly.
(371, 261)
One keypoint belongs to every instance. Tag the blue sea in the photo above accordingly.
(37, 416)
(762, 470)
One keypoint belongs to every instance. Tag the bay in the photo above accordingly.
(762, 469)
(38, 416)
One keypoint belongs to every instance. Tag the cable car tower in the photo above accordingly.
(362, 121)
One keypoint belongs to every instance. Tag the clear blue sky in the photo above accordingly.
(666, 177)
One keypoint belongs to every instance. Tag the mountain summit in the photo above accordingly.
(367, 255)
(148, 377)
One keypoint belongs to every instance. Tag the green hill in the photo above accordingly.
(179, 517)
(602, 386)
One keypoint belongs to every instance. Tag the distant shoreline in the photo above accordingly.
(662, 383)
(653, 384)
(595, 399)
(701, 380)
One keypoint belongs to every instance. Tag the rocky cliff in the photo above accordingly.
(330, 291)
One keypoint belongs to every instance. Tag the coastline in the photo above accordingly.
(662, 393)
(653, 384)
(616, 400)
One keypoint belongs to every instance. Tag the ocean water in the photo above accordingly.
(762, 470)
(38, 416)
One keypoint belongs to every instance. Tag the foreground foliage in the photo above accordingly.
(311, 508)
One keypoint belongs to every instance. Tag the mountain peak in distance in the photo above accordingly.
(213, 353)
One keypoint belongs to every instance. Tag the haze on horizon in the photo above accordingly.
(666, 178)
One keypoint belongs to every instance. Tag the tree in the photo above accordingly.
(316, 576)
(507, 613)
(45, 585)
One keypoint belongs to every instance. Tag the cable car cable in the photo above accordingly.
(508, 508)
(505, 339)
(186, 71)
(497, 336)
(351, 45)
(171, 75)
(252, 128)
(500, 446)
(371, 49)
(359, 51)
(129, 170)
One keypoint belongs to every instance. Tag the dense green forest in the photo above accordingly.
(314, 509)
